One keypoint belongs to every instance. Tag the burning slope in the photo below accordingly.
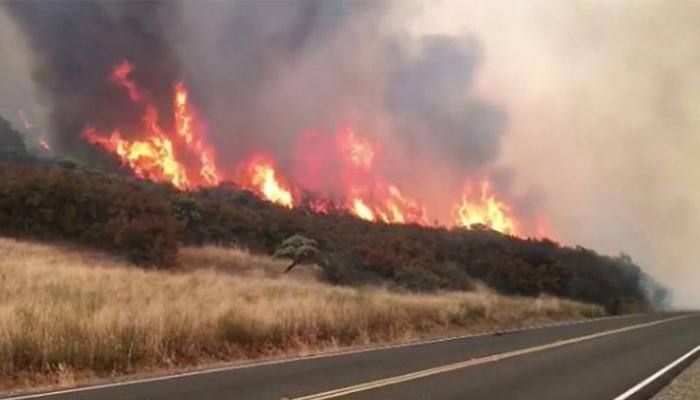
(341, 168)
(155, 153)
(481, 207)
(260, 176)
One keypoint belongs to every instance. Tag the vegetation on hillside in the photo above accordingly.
(147, 222)
(70, 314)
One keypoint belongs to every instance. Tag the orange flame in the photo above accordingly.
(156, 154)
(260, 176)
(484, 209)
(360, 209)
(152, 158)
(342, 167)
(183, 118)
(371, 197)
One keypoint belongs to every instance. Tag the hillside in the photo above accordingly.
(146, 222)
(68, 314)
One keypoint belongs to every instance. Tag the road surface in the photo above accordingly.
(601, 359)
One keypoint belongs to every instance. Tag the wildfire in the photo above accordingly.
(360, 209)
(341, 168)
(260, 176)
(156, 154)
(183, 118)
(483, 208)
(152, 158)
(389, 205)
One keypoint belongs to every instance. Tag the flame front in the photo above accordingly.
(483, 208)
(152, 158)
(156, 154)
(360, 209)
(260, 176)
(341, 168)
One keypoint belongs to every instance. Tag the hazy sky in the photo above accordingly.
(602, 103)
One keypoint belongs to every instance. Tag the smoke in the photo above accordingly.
(76, 45)
(602, 102)
(265, 74)
(18, 98)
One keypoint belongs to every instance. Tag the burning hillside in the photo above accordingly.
(392, 134)
(184, 157)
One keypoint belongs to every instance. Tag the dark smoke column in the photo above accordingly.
(76, 44)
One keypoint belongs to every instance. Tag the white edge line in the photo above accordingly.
(657, 375)
(303, 358)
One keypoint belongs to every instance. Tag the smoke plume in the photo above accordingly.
(76, 45)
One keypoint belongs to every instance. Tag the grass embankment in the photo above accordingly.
(69, 314)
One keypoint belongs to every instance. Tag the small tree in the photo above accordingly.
(299, 248)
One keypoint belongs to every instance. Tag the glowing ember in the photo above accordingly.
(260, 176)
(484, 209)
(154, 153)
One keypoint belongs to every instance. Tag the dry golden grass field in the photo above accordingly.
(69, 314)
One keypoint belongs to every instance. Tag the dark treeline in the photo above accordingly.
(146, 222)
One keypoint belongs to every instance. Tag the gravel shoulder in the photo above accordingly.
(685, 387)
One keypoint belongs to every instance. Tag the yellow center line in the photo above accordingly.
(332, 394)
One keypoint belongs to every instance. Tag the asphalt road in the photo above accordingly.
(592, 360)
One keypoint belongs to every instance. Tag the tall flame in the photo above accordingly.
(483, 208)
(342, 168)
(360, 209)
(154, 153)
(260, 176)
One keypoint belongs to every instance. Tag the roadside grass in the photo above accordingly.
(68, 314)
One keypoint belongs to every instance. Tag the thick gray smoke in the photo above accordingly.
(267, 72)
(603, 119)
(428, 98)
(76, 45)
(262, 74)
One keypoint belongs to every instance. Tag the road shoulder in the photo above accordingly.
(685, 386)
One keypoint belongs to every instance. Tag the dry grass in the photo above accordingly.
(66, 311)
